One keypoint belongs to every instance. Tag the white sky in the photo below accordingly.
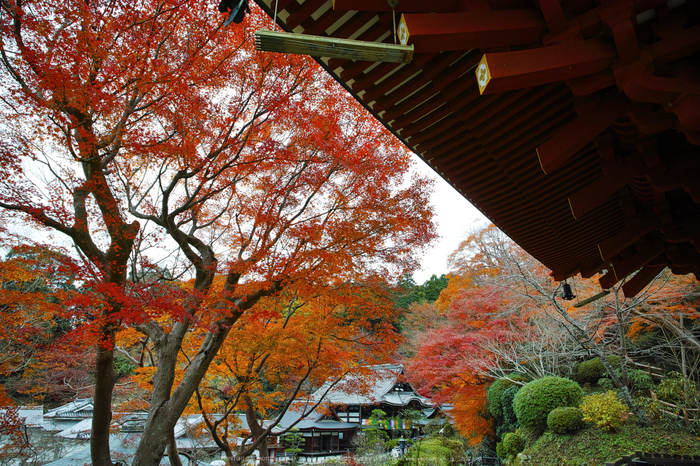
(454, 216)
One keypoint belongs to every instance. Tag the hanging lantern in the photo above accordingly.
(567, 294)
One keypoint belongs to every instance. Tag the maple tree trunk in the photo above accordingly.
(257, 430)
(173, 455)
(102, 411)
(166, 408)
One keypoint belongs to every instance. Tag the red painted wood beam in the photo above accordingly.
(586, 85)
(471, 30)
(659, 90)
(554, 15)
(623, 268)
(648, 120)
(507, 71)
(679, 96)
(574, 136)
(596, 193)
(629, 235)
(682, 44)
(403, 5)
(641, 280)
(299, 13)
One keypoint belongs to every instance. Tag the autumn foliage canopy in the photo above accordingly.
(163, 149)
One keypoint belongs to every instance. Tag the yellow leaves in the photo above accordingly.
(455, 284)
(143, 376)
(128, 337)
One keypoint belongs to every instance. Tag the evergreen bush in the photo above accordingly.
(493, 396)
(500, 451)
(513, 444)
(565, 420)
(534, 401)
(510, 421)
(605, 410)
(592, 370)
(432, 450)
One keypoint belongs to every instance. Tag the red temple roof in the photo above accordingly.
(574, 125)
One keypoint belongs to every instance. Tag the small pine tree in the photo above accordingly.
(293, 440)
(375, 434)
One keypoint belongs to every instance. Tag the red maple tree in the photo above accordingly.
(149, 120)
(453, 356)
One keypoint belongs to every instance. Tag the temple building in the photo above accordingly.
(346, 409)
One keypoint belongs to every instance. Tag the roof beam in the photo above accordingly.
(507, 71)
(629, 235)
(596, 193)
(471, 30)
(418, 6)
(554, 15)
(576, 135)
(641, 280)
(622, 268)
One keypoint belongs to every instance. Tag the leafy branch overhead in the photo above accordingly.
(169, 154)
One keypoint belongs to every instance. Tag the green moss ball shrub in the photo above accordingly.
(605, 410)
(533, 403)
(565, 420)
(592, 370)
(513, 444)
(493, 396)
(434, 448)
(500, 451)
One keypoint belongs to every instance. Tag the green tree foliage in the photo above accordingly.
(409, 292)
(375, 434)
(510, 420)
(293, 440)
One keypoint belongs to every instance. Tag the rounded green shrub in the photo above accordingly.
(565, 420)
(513, 444)
(500, 451)
(590, 371)
(534, 401)
(435, 449)
(493, 396)
(605, 410)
